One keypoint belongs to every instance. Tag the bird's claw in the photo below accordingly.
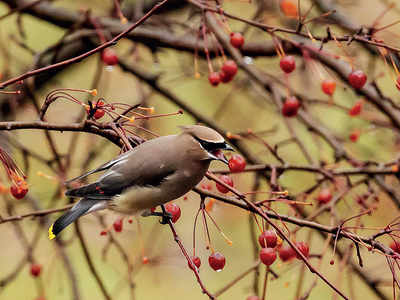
(166, 217)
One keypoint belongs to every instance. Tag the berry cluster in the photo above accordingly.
(270, 245)
(225, 75)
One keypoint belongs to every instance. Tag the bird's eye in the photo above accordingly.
(210, 146)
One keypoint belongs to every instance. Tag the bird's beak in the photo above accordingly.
(219, 155)
(228, 147)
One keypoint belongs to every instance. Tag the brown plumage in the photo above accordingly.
(153, 173)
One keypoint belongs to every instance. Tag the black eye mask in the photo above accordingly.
(210, 146)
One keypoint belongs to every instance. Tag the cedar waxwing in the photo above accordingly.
(153, 173)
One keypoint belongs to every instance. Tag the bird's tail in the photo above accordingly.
(82, 207)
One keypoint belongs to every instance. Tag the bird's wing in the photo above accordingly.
(103, 167)
(146, 165)
(147, 172)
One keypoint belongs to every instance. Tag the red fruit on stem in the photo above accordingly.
(225, 179)
(145, 260)
(174, 210)
(19, 191)
(357, 79)
(224, 77)
(287, 64)
(290, 107)
(196, 261)
(36, 269)
(267, 256)
(237, 163)
(229, 68)
(214, 78)
(354, 135)
(268, 239)
(356, 109)
(286, 253)
(324, 196)
(289, 8)
(109, 57)
(216, 261)
(328, 86)
(99, 113)
(395, 246)
(237, 40)
(303, 247)
(118, 225)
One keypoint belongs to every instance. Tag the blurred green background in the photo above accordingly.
(236, 107)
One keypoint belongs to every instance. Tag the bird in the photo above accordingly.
(153, 173)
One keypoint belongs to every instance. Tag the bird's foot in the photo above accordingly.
(165, 217)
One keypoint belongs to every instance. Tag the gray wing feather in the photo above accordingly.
(139, 166)
(103, 167)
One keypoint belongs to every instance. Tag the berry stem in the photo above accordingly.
(229, 242)
(265, 283)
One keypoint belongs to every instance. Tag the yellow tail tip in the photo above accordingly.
(51, 234)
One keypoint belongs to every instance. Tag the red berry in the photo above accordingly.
(118, 225)
(225, 179)
(214, 78)
(286, 253)
(356, 109)
(229, 68)
(145, 260)
(196, 261)
(268, 239)
(289, 8)
(216, 261)
(103, 232)
(224, 77)
(290, 107)
(99, 113)
(324, 196)
(174, 210)
(36, 269)
(109, 57)
(267, 256)
(354, 135)
(287, 64)
(237, 163)
(237, 40)
(395, 246)
(328, 86)
(357, 79)
(252, 298)
(303, 247)
(19, 191)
